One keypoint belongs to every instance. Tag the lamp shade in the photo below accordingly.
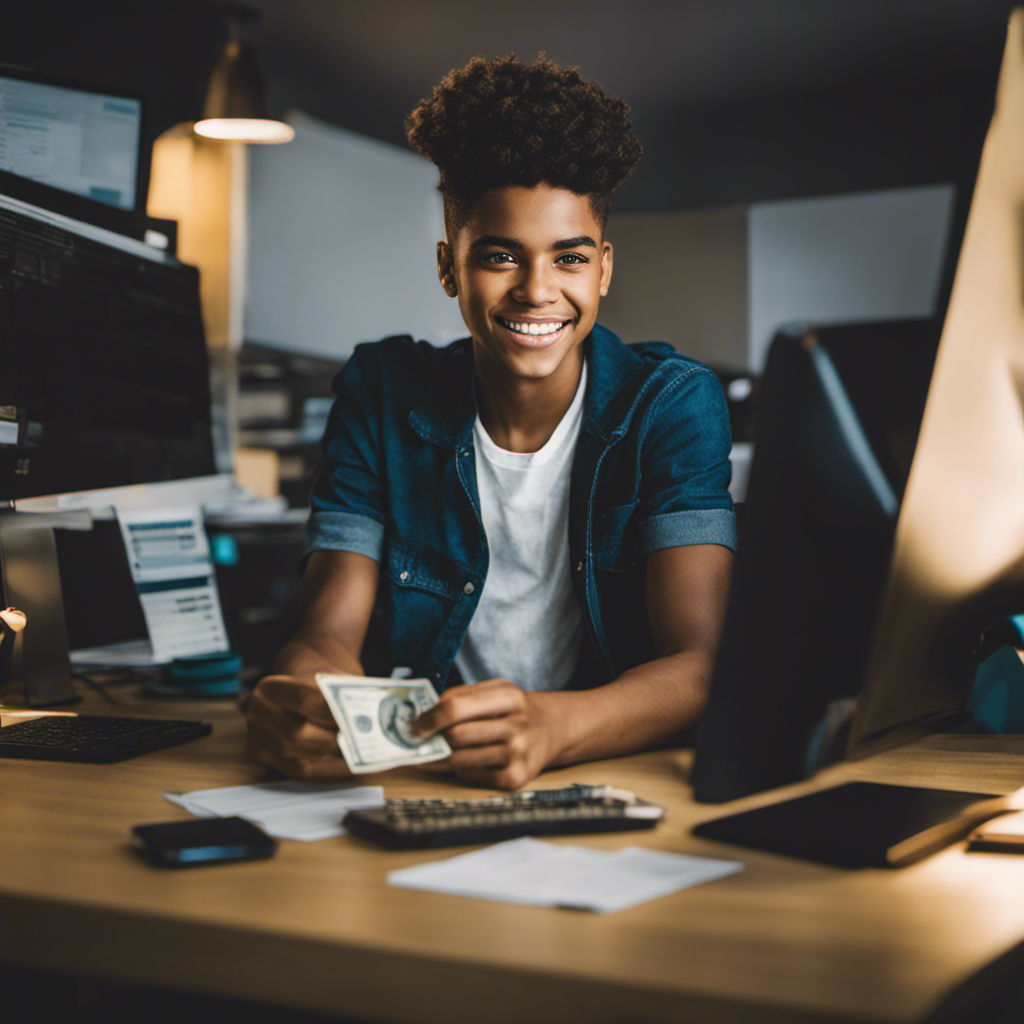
(234, 109)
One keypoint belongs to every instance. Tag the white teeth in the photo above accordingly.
(533, 328)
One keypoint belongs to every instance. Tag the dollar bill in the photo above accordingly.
(375, 719)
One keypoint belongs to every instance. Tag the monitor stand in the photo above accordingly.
(860, 824)
(31, 583)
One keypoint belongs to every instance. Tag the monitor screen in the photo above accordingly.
(105, 376)
(74, 138)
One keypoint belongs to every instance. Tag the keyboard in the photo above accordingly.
(417, 824)
(95, 739)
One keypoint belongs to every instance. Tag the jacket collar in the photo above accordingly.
(446, 408)
(616, 379)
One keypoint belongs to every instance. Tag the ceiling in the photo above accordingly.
(734, 100)
(648, 51)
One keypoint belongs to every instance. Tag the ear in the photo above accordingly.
(606, 267)
(446, 269)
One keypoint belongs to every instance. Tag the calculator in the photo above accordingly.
(425, 823)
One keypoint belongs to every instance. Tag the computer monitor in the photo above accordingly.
(836, 423)
(105, 401)
(957, 561)
(74, 137)
(105, 378)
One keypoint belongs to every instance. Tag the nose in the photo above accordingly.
(535, 285)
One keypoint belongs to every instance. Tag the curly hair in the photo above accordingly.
(501, 122)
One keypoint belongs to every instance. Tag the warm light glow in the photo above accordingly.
(962, 526)
(245, 129)
(958, 558)
(170, 176)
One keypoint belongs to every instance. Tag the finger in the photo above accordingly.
(300, 696)
(479, 733)
(496, 755)
(291, 735)
(258, 751)
(291, 693)
(299, 767)
(491, 684)
(465, 703)
(315, 770)
(260, 706)
(292, 728)
(507, 777)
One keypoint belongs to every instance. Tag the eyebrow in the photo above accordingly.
(513, 243)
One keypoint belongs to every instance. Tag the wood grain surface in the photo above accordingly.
(319, 927)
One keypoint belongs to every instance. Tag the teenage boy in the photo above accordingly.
(543, 510)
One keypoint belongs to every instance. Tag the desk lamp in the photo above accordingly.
(235, 108)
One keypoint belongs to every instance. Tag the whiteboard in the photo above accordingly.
(343, 233)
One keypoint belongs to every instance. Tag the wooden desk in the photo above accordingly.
(318, 927)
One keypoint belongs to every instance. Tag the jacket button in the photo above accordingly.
(469, 588)
(403, 576)
(579, 567)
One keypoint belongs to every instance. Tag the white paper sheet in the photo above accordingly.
(285, 810)
(536, 873)
(170, 561)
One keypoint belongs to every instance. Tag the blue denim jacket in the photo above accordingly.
(398, 483)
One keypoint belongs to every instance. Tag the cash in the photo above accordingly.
(375, 719)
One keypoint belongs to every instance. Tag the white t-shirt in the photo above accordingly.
(527, 625)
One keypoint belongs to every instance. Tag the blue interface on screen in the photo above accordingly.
(72, 139)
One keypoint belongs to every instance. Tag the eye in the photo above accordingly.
(571, 259)
(497, 258)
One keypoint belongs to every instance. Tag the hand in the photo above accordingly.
(500, 735)
(292, 730)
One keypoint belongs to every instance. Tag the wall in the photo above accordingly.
(869, 256)
(717, 283)
(356, 262)
(342, 233)
(681, 277)
(342, 240)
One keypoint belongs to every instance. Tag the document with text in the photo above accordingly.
(169, 557)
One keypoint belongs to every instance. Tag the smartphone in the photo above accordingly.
(196, 841)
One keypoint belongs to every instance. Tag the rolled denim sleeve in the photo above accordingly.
(685, 471)
(346, 503)
(342, 531)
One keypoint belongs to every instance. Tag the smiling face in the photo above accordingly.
(529, 266)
